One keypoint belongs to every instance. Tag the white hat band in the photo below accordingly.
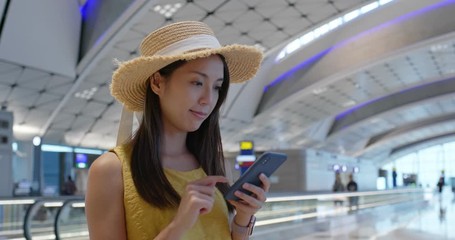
(191, 43)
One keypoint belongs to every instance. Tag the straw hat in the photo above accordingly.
(179, 41)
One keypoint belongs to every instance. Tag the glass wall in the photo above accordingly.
(427, 164)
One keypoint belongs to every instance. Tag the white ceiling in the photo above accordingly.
(45, 102)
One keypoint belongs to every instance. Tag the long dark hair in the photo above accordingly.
(204, 143)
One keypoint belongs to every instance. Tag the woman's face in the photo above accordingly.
(190, 94)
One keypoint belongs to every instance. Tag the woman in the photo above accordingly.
(167, 181)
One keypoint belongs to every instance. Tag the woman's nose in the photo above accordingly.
(206, 96)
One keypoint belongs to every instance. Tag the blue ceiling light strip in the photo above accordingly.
(358, 107)
(394, 21)
(333, 24)
(403, 18)
(297, 68)
(84, 9)
(384, 104)
(311, 60)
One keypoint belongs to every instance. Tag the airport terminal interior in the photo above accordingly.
(361, 89)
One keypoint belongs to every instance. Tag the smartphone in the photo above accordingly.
(267, 163)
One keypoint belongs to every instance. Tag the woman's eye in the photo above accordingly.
(217, 88)
(197, 83)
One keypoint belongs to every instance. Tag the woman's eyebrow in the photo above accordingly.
(205, 75)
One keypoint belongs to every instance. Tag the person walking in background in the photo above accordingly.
(338, 186)
(452, 184)
(69, 188)
(352, 187)
(440, 184)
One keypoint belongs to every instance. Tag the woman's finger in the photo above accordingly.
(250, 200)
(207, 190)
(265, 182)
(210, 180)
(258, 192)
(200, 201)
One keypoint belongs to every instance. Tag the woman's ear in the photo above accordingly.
(156, 83)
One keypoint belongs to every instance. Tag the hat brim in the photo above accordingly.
(129, 81)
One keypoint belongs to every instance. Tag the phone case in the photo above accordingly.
(267, 163)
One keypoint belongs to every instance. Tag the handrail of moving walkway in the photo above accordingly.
(277, 208)
(58, 216)
(26, 225)
(41, 202)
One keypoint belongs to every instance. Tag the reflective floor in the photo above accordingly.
(434, 219)
(412, 213)
(435, 222)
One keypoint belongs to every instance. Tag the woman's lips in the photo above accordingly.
(198, 114)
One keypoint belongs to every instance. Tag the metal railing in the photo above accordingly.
(64, 217)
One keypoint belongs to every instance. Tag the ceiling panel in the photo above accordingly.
(189, 11)
(36, 117)
(33, 94)
(274, 10)
(63, 121)
(231, 10)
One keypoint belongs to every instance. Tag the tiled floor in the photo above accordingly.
(404, 221)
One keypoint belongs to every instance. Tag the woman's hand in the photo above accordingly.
(197, 199)
(248, 205)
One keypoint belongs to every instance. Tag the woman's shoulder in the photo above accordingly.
(106, 166)
(104, 198)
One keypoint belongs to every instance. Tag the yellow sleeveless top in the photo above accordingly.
(145, 222)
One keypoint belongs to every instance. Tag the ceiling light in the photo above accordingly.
(86, 94)
(335, 23)
(382, 2)
(349, 103)
(439, 47)
(318, 91)
(292, 46)
(321, 30)
(351, 15)
(369, 7)
(36, 141)
(55, 148)
(316, 32)
(25, 129)
(88, 151)
(167, 10)
(307, 38)
(280, 56)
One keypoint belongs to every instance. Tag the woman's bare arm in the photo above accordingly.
(104, 199)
